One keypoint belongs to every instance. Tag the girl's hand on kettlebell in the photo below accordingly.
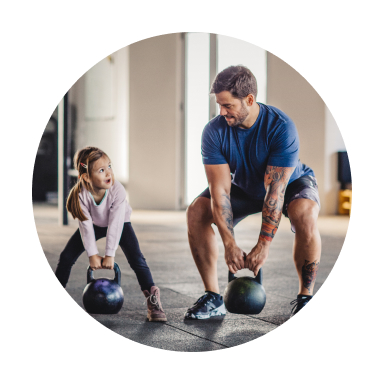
(108, 262)
(95, 262)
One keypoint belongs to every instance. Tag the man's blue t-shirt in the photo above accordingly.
(272, 140)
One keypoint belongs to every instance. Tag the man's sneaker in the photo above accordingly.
(299, 303)
(207, 306)
(155, 310)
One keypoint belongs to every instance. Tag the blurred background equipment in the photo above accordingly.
(44, 185)
(345, 179)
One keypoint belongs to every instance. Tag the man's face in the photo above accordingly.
(234, 110)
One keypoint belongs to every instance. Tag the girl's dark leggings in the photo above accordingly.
(128, 244)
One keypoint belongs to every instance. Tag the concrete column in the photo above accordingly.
(156, 122)
(213, 46)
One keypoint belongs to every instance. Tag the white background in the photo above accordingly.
(46, 46)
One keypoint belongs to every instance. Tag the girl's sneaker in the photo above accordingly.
(155, 310)
(206, 306)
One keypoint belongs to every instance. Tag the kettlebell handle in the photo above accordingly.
(258, 278)
(116, 268)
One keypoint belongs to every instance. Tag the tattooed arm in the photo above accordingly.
(219, 181)
(275, 181)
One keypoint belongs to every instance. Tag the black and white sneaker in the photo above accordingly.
(206, 306)
(299, 303)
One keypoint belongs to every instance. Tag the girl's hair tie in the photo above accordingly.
(83, 165)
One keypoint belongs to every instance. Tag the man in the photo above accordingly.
(250, 153)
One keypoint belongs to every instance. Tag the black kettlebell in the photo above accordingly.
(103, 296)
(245, 295)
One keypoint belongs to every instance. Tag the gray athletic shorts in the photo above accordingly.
(304, 187)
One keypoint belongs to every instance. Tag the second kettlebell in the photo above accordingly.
(245, 295)
(103, 296)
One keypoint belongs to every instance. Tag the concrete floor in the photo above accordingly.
(163, 240)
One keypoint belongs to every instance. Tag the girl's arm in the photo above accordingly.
(87, 232)
(115, 223)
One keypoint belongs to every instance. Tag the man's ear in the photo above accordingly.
(250, 99)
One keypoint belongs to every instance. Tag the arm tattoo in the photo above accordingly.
(226, 212)
(309, 272)
(276, 181)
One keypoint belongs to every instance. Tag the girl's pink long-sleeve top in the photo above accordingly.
(112, 212)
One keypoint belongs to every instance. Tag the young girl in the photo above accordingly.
(99, 203)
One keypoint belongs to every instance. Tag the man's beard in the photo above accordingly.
(243, 114)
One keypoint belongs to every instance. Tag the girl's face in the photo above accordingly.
(102, 174)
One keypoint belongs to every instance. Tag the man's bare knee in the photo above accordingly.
(303, 214)
(199, 212)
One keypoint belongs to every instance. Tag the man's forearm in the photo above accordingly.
(276, 180)
(270, 219)
(223, 217)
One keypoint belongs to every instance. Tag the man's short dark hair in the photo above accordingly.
(236, 79)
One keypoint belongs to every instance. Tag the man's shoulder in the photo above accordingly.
(217, 122)
(276, 114)
(217, 125)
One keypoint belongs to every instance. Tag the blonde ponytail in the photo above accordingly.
(73, 203)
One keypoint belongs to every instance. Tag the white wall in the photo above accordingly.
(101, 99)
(156, 122)
(196, 110)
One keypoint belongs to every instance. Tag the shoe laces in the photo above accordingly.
(153, 300)
(297, 302)
(201, 301)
